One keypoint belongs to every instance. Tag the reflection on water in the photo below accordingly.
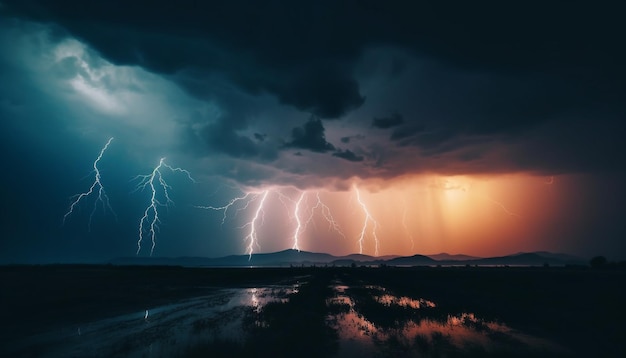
(381, 296)
(370, 326)
(403, 301)
(158, 331)
(354, 321)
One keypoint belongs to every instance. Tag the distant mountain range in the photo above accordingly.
(291, 257)
(447, 257)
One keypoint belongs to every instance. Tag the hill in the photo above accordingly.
(292, 257)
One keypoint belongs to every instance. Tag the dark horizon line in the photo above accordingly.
(570, 257)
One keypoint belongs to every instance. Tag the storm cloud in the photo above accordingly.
(305, 94)
(348, 155)
(489, 69)
(310, 136)
(388, 122)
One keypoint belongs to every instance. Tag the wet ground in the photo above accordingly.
(373, 322)
(162, 331)
(321, 312)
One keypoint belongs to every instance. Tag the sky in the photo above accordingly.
(382, 128)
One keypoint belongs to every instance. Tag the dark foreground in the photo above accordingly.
(312, 312)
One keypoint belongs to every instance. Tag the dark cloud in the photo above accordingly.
(221, 138)
(303, 53)
(347, 139)
(485, 72)
(406, 131)
(310, 136)
(429, 139)
(388, 122)
(483, 88)
(397, 67)
(273, 48)
(325, 91)
(348, 155)
(567, 146)
(260, 137)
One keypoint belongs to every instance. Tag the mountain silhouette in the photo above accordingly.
(292, 257)
(444, 256)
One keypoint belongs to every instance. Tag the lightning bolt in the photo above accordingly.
(327, 214)
(251, 238)
(368, 218)
(451, 185)
(507, 211)
(294, 209)
(151, 214)
(296, 215)
(301, 227)
(283, 200)
(102, 196)
(227, 206)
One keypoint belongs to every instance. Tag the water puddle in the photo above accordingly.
(365, 321)
(371, 321)
(157, 331)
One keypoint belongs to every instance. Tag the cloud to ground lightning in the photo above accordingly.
(296, 214)
(150, 216)
(297, 210)
(301, 225)
(251, 238)
(368, 218)
(102, 197)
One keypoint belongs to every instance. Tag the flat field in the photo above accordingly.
(88, 310)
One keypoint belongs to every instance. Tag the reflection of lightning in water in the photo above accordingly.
(368, 218)
(406, 228)
(151, 214)
(102, 196)
(252, 235)
(254, 300)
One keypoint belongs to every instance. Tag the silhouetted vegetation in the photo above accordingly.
(598, 262)
(601, 262)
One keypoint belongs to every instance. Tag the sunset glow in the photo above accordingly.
(415, 137)
(477, 215)
(320, 178)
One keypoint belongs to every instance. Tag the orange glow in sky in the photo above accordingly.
(475, 215)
